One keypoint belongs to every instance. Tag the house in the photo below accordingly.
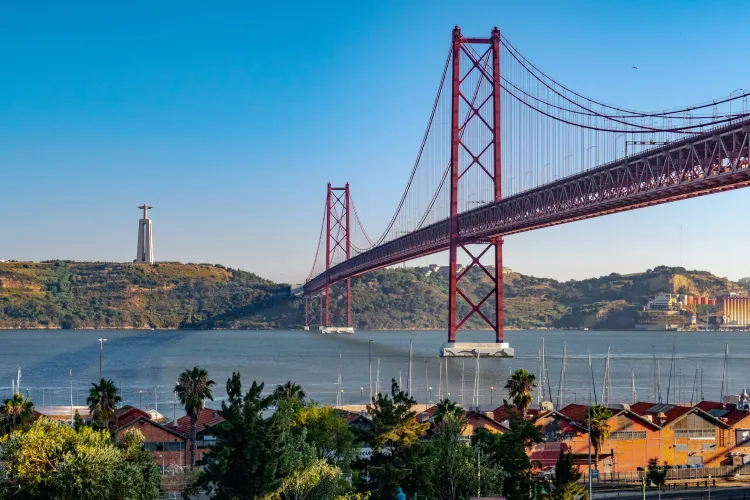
(166, 444)
(205, 440)
(633, 439)
(688, 435)
(474, 420)
(737, 417)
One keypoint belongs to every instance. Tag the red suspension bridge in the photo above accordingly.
(509, 149)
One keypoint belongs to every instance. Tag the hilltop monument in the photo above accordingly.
(145, 244)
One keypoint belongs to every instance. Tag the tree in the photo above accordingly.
(444, 408)
(15, 412)
(394, 424)
(245, 463)
(565, 484)
(103, 400)
(52, 460)
(520, 387)
(657, 475)
(319, 480)
(598, 415)
(508, 451)
(454, 466)
(328, 434)
(288, 391)
(394, 439)
(193, 387)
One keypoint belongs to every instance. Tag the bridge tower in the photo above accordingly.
(338, 244)
(475, 144)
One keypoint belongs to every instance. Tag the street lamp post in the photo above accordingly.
(361, 395)
(430, 394)
(101, 353)
(140, 398)
(492, 394)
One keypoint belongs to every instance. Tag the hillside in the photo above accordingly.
(171, 295)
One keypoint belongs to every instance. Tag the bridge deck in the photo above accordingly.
(711, 162)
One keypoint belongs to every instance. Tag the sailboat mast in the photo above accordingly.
(410, 360)
(632, 382)
(724, 381)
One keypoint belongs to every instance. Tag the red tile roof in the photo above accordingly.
(501, 413)
(574, 412)
(128, 415)
(644, 409)
(732, 415)
(206, 418)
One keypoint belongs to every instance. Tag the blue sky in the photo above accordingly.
(231, 119)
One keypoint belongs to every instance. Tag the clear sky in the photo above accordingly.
(230, 118)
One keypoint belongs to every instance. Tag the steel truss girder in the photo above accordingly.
(712, 162)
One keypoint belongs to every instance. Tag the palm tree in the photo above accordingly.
(445, 408)
(193, 387)
(598, 415)
(103, 400)
(520, 387)
(288, 391)
(15, 412)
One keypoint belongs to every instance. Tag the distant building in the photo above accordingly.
(662, 302)
(507, 270)
(734, 310)
(167, 445)
(145, 251)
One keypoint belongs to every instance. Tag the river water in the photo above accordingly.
(145, 364)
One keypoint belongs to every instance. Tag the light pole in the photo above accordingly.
(162, 463)
(492, 394)
(430, 394)
(140, 398)
(101, 353)
(342, 398)
(369, 352)
(709, 487)
(361, 395)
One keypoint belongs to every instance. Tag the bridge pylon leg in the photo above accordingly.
(476, 151)
(338, 248)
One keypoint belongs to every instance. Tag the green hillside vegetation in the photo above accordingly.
(63, 294)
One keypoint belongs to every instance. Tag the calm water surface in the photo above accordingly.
(146, 363)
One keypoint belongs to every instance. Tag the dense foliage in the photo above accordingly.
(50, 460)
(170, 295)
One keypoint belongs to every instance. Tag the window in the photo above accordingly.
(694, 426)
(165, 446)
(695, 433)
(627, 435)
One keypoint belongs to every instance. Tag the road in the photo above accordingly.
(718, 493)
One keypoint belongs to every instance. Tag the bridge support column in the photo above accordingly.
(338, 249)
(478, 118)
